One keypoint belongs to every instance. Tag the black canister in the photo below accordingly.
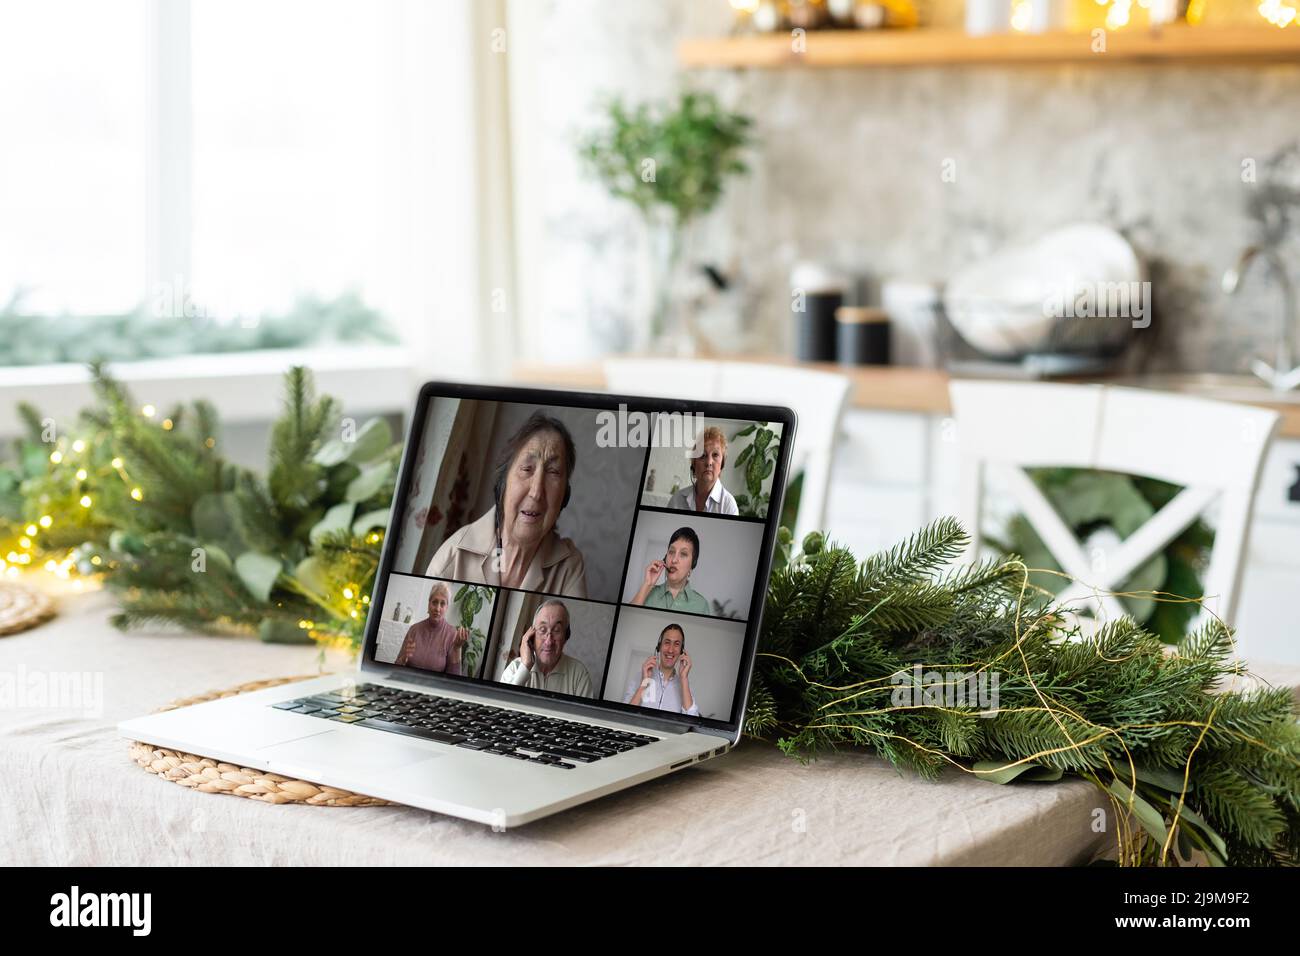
(861, 336)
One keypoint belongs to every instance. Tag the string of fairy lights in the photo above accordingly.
(21, 555)
(77, 480)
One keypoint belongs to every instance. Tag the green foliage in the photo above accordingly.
(186, 538)
(1122, 709)
(757, 459)
(162, 329)
(470, 599)
(675, 158)
(1090, 502)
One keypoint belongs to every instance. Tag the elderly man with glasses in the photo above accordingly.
(542, 663)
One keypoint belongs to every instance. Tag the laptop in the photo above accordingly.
(567, 603)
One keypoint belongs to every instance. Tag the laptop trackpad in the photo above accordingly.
(338, 748)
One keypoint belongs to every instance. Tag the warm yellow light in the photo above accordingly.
(31, 529)
(13, 557)
(24, 542)
(96, 560)
(167, 424)
(85, 501)
(81, 474)
(210, 442)
(1022, 12)
(137, 494)
(78, 446)
(365, 599)
(355, 614)
(24, 559)
(46, 521)
(148, 411)
(51, 565)
(347, 593)
(116, 462)
(1277, 12)
(744, 6)
(56, 456)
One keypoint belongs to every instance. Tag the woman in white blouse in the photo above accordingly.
(706, 493)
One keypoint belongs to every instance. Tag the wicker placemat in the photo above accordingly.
(22, 607)
(214, 776)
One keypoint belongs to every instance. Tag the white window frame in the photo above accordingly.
(457, 236)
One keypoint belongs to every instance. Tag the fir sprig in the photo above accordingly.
(1164, 733)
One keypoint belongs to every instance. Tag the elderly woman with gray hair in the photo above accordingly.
(433, 644)
(516, 544)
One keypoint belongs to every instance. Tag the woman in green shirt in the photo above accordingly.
(676, 593)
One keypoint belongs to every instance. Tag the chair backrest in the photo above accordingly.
(818, 398)
(1214, 450)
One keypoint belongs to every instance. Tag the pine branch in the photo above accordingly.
(834, 645)
(295, 480)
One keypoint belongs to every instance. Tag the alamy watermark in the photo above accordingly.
(130, 910)
(633, 429)
(53, 690)
(931, 688)
(1101, 300)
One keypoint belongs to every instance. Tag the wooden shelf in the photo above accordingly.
(926, 47)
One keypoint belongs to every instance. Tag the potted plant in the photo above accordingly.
(470, 599)
(756, 460)
(672, 161)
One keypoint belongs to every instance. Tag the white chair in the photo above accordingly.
(818, 398)
(1213, 450)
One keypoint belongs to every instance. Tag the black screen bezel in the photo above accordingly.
(602, 401)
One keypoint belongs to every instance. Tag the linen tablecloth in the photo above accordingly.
(70, 794)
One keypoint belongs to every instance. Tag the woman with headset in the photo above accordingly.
(705, 492)
(665, 676)
(515, 544)
(676, 593)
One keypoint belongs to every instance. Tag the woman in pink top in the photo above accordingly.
(433, 644)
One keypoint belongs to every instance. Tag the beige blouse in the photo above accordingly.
(557, 568)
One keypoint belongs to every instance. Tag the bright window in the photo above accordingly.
(201, 175)
(74, 81)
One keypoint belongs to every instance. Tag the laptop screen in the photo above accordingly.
(583, 551)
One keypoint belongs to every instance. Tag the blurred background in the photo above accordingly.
(897, 191)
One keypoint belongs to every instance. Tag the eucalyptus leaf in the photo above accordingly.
(259, 573)
(312, 576)
(997, 771)
(215, 554)
(374, 438)
(1148, 816)
(333, 452)
(1171, 780)
(338, 518)
(369, 521)
(371, 441)
(368, 484)
(1191, 816)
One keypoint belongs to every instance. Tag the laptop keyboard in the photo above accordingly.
(463, 723)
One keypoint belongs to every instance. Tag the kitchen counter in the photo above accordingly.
(924, 390)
